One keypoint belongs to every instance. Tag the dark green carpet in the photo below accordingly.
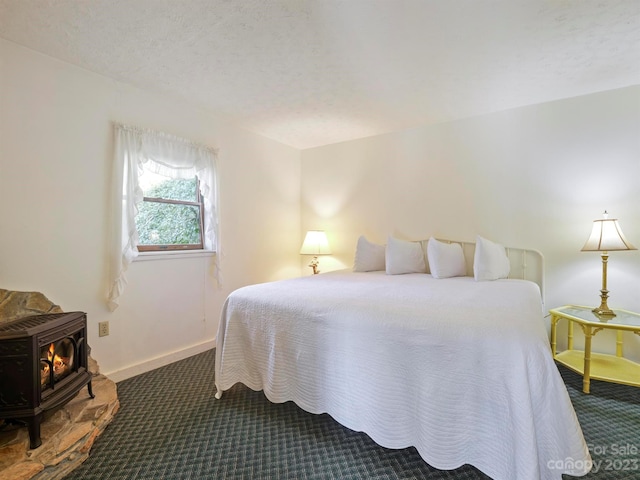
(170, 427)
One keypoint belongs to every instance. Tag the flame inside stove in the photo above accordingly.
(60, 364)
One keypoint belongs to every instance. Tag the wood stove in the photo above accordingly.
(43, 365)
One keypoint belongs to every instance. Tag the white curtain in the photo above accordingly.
(137, 149)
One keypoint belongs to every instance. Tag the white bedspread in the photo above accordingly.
(461, 370)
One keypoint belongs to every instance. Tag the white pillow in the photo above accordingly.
(369, 256)
(445, 259)
(404, 257)
(490, 261)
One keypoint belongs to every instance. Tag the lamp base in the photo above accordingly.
(314, 264)
(603, 310)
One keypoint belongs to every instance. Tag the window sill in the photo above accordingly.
(173, 255)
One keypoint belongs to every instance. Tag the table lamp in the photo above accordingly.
(606, 236)
(315, 243)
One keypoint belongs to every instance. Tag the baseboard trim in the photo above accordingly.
(160, 361)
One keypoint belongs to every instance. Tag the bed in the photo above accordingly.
(457, 368)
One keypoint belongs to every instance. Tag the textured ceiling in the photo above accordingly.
(310, 73)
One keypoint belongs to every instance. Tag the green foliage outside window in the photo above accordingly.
(167, 223)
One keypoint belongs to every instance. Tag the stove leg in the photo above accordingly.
(34, 431)
(90, 388)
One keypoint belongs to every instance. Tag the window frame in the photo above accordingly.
(182, 246)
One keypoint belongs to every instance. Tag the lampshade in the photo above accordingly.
(606, 236)
(315, 243)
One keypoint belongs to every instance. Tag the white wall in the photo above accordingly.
(55, 165)
(533, 177)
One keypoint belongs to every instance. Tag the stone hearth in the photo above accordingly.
(68, 432)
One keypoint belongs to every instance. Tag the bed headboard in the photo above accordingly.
(525, 264)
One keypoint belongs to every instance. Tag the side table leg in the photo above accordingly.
(554, 324)
(619, 343)
(586, 379)
(570, 335)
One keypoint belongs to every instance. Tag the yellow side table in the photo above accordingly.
(599, 366)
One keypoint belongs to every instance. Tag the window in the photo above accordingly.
(165, 197)
(171, 214)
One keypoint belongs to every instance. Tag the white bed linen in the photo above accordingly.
(461, 370)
